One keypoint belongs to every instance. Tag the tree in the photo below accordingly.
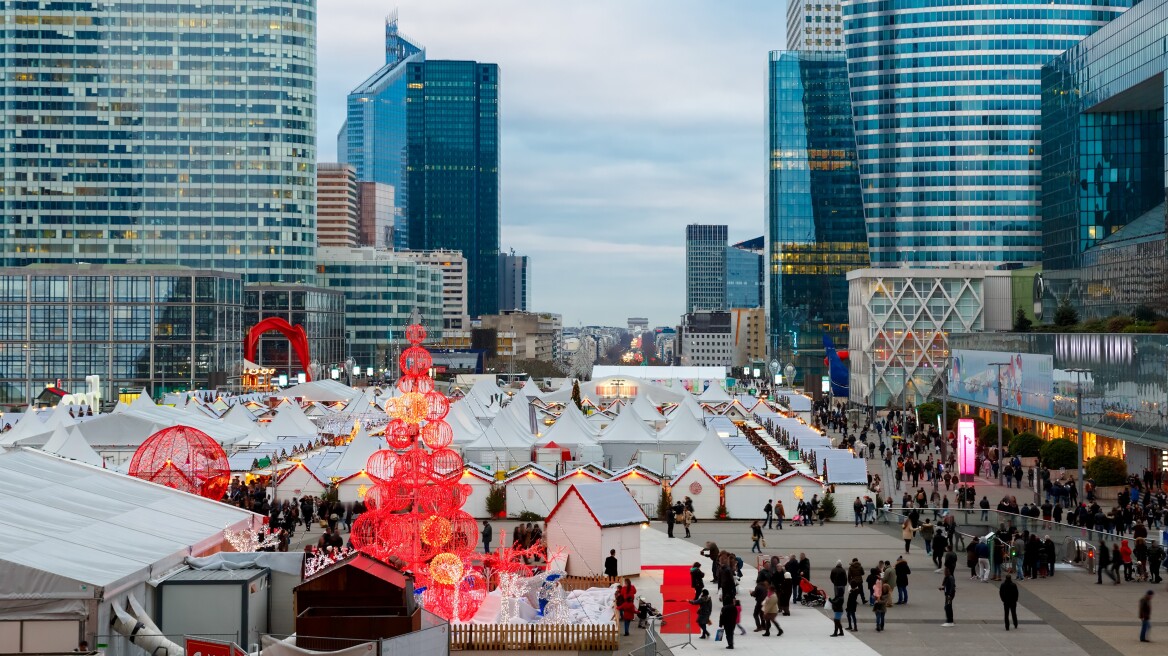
(496, 501)
(1065, 315)
(1144, 313)
(1106, 470)
(1022, 323)
(988, 436)
(576, 395)
(828, 506)
(663, 504)
(1060, 453)
(931, 410)
(1025, 445)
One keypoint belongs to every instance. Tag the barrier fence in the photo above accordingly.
(570, 583)
(534, 637)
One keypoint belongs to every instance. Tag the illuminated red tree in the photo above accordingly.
(185, 459)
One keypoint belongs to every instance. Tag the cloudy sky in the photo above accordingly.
(622, 121)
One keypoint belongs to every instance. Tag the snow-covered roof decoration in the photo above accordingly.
(714, 457)
(610, 504)
(714, 394)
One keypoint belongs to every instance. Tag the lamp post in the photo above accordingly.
(1079, 424)
(999, 365)
(28, 349)
(945, 413)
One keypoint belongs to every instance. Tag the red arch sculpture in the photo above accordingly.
(295, 334)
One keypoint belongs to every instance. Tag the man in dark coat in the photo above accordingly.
(1008, 593)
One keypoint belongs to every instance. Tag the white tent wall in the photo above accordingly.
(476, 502)
(643, 489)
(746, 496)
(299, 482)
(788, 489)
(574, 530)
(627, 542)
(531, 492)
(354, 487)
(706, 500)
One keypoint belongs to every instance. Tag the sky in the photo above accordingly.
(621, 121)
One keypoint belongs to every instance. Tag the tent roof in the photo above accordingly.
(70, 444)
(118, 430)
(239, 415)
(291, 420)
(486, 392)
(67, 523)
(569, 430)
(796, 402)
(321, 390)
(530, 390)
(354, 457)
(682, 427)
(645, 408)
(628, 428)
(30, 425)
(167, 416)
(689, 404)
(714, 457)
(714, 394)
(843, 467)
(610, 504)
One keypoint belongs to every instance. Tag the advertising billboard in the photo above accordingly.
(1027, 380)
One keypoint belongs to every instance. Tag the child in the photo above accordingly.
(738, 616)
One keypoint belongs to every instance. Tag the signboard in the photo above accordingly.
(1027, 380)
(824, 384)
(208, 647)
(966, 449)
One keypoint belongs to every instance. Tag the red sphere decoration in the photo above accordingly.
(445, 464)
(442, 499)
(415, 334)
(414, 468)
(464, 532)
(381, 464)
(185, 459)
(415, 361)
(437, 434)
(401, 435)
(364, 531)
(437, 406)
(419, 384)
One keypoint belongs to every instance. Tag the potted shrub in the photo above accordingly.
(720, 512)
(1106, 471)
(1060, 453)
(497, 501)
(1026, 446)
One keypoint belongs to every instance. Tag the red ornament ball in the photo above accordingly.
(419, 384)
(415, 361)
(185, 459)
(415, 334)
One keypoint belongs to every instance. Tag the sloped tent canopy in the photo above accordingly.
(120, 431)
(530, 389)
(714, 394)
(327, 390)
(571, 431)
(714, 457)
(75, 534)
(465, 425)
(291, 420)
(353, 458)
(238, 415)
(645, 409)
(682, 429)
(499, 448)
(796, 402)
(29, 427)
(609, 503)
(723, 426)
(70, 444)
(166, 416)
(843, 467)
(625, 436)
(689, 404)
(487, 393)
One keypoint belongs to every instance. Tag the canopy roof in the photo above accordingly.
(628, 428)
(682, 427)
(570, 429)
(713, 456)
(166, 416)
(530, 389)
(689, 404)
(353, 458)
(70, 444)
(714, 394)
(843, 467)
(72, 530)
(610, 504)
(291, 420)
(645, 408)
(321, 390)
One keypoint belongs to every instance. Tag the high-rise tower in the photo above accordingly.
(164, 133)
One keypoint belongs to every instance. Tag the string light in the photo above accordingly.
(247, 541)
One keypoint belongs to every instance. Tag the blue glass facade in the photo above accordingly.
(1103, 155)
(744, 281)
(705, 268)
(160, 133)
(373, 137)
(815, 226)
(453, 169)
(946, 104)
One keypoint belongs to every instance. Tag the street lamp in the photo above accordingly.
(999, 365)
(1079, 424)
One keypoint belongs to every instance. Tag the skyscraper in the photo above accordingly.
(338, 211)
(815, 226)
(705, 268)
(453, 161)
(946, 103)
(134, 136)
(373, 137)
(815, 26)
(744, 274)
(514, 282)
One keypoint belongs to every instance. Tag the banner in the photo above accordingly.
(1027, 380)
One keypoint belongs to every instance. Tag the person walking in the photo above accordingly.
(786, 583)
(738, 617)
(610, 564)
(727, 620)
(780, 513)
(487, 532)
(880, 594)
(755, 536)
(1145, 615)
(705, 609)
(1116, 562)
(697, 579)
(858, 509)
(670, 520)
(907, 531)
(837, 609)
(1103, 562)
(1008, 593)
(769, 511)
(854, 597)
(770, 611)
(949, 587)
(902, 572)
(624, 605)
(687, 518)
(759, 594)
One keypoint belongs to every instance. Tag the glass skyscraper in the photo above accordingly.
(815, 226)
(373, 137)
(453, 169)
(161, 133)
(946, 104)
(705, 268)
(744, 279)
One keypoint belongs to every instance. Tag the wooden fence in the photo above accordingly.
(534, 637)
(570, 583)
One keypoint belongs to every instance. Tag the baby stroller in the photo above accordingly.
(812, 596)
(645, 610)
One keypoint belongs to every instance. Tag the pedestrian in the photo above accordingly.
(1102, 562)
(624, 605)
(1116, 562)
(880, 594)
(1125, 552)
(770, 611)
(755, 536)
(670, 520)
(1008, 593)
(854, 597)
(839, 578)
(949, 587)
(759, 594)
(705, 608)
(487, 532)
(1145, 615)
(786, 584)
(856, 577)
(769, 511)
(610, 564)
(902, 572)
(738, 617)
(687, 518)
(727, 621)
(697, 579)
(837, 609)
(907, 530)
(858, 509)
(780, 513)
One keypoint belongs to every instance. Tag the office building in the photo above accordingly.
(815, 26)
(901, 321)
(321, 312)
(338, 209)
(537, 335)
(749, 335)
(373, 137)
(453, 160)
(133, 137)
(705, 268)
(1104, 168)
(514, 282)
(705, 339)
(946, 101)
(375, 214)
(815, 213)
(745, 286)
(158, 328)
(383, 291)
(453, 267)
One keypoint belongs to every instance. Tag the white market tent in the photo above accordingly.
(463, 422)
(531, 488)
(625, 436)
(793, 486)
(645, 409)
(643, 484)
(321, 390)
(291, 420)
(714, 394)
(591, 520)
(498, 449)
(78, 539)
(714, 457)
(353, 458)
(746, 495)
(529, 390)
(70, 444)
(238, 415)
(842, 468)
(689, 404)
(480, 482)
(573, 433)
(298, 481)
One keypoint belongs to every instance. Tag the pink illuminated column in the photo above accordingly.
(966, 450)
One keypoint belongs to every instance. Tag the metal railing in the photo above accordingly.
(655, 641)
